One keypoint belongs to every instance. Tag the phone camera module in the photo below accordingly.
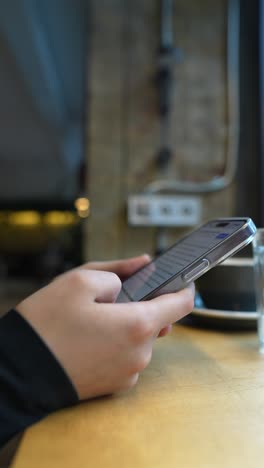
(222, 224)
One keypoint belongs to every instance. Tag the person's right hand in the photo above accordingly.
(102, 346)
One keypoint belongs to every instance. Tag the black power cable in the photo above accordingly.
(167, 57)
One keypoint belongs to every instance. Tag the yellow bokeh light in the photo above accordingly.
(60, 218)
(82, 206)
(24, 218)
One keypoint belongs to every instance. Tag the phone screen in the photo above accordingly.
(178, 257)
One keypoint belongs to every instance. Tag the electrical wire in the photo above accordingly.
(219, 182)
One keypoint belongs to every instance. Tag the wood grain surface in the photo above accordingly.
(200, 404)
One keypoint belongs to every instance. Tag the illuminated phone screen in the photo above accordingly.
(178, 257)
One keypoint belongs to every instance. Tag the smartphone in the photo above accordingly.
(188, 259)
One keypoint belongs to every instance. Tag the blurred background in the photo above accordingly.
(123, 124)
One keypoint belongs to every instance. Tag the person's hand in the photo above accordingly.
(125, 268)
(102, 346)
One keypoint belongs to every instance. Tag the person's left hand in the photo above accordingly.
(124, 268)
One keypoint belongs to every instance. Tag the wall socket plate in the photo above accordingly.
(164, 210)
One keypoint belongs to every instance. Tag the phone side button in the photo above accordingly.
(196, 271)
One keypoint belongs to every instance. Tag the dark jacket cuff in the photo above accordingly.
(32, 381)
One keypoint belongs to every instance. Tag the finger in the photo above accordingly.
(158, 312)
(165, 331)
(169, 308)
(123, 268)
(104, 286)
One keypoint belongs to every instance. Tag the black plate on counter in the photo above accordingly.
(224, 319)
(226, 297)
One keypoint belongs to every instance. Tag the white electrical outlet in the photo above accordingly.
(164, 210)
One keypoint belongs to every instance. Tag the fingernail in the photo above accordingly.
(146, 255)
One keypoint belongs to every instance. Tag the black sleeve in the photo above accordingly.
(32, 382)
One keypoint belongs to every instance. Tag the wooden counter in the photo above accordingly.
(199, 404)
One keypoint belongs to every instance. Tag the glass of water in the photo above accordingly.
(258, 254)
